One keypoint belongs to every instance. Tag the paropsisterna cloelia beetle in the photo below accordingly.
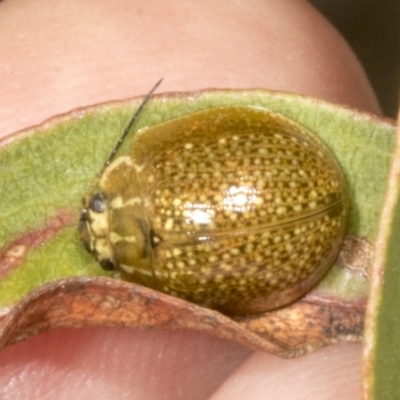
(235, 208)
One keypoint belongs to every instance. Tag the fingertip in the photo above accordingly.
(329, 373)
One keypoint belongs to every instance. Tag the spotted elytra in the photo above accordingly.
(235, 208)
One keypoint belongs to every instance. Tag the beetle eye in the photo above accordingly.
(96, 203)
(107, 264)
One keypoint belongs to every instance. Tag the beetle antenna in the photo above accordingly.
(122, 138)
(128, 127)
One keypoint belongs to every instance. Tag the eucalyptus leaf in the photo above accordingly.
(46, 170)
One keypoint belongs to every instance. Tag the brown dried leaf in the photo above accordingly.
(288, 332)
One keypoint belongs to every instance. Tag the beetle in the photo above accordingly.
(235, 208)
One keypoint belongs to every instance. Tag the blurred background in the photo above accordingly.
(372, 28)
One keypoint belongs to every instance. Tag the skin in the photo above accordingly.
(56, 56)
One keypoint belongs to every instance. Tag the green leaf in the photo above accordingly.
(382, 335)
(45, 171)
